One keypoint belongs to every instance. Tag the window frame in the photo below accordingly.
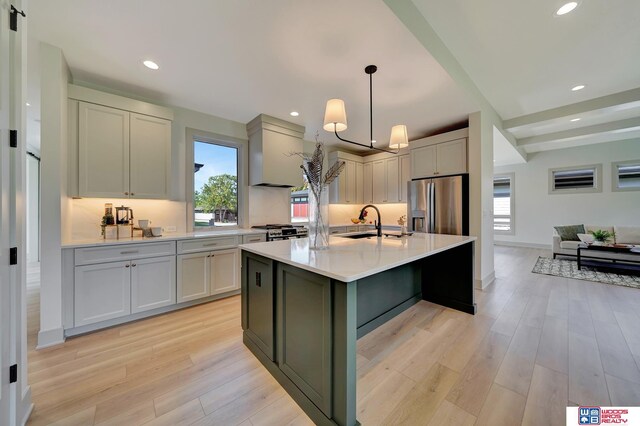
(615, 177)
(597, 170)
(512, 202)
(192, 136)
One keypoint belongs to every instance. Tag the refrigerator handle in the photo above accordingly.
(432, 205)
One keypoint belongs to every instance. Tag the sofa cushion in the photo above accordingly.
(627, 234)
(570, 245)
(570, 232)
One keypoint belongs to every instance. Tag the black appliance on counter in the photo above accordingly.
(283, 231)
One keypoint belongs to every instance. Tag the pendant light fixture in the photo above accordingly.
(335, 120)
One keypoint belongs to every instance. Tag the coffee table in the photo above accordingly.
(588, 255)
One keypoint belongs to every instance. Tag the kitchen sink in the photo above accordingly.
(358, 236)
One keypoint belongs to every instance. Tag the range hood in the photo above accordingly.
(271, 141)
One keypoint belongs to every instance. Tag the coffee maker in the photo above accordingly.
(124, 215)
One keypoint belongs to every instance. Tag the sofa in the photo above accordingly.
(622, 235)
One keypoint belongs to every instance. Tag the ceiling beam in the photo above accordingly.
(415, 22)
(614, 128)
(616, 101)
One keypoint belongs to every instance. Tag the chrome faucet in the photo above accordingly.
(378, 224)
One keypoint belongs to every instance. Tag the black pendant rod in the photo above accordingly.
(370, 69)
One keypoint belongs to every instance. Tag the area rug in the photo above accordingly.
(569, 269)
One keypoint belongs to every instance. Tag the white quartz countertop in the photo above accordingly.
(352, 259)
(95, 242)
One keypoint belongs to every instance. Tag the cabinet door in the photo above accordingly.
(304, 332)
(392, 173)
(101, 292)
(150, 157)
(379, 182)
(359, 183)
(405, 176)
(224, 271)
(153, 283)
(423, 162)
(258, 319)
(193, 276)
(103, 151)
(367, 187)
(350, 182)
(452, 157)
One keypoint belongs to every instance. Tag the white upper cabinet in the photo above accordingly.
(379, 182)
(445, 158)
(392, 171)
(150, 157)
(452, 157)
(118, 147)
(423, 162)
(347, 188)
(405, 176)
(367, 186)
(103, 142)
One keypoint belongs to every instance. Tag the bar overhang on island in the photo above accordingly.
(303, 310)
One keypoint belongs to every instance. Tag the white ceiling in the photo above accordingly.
(525, 60)
(237, 59)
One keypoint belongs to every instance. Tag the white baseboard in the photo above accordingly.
(52, 337)
(525, 245)
(27, 405)
(486, 281)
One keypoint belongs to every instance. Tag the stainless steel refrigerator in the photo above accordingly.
(439, 205)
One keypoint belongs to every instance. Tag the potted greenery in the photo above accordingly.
(601, 237)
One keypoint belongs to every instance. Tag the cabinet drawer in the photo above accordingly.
(254, 238)
(207, 244)
(337, 230)
(91, 255)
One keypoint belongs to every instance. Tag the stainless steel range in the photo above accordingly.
(283, 231)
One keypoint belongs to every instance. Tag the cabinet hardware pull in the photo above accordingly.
(259, 279)
(126, 193)
(129, 252)
(133, 193)
(255, 239)
(134, 265)
(210, 244)
(126, 266)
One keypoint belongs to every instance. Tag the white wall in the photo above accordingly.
(33, 208)
(480, 155)
(53, 83)
(537, 211)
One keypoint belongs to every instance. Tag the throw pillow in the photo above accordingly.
(570, 232)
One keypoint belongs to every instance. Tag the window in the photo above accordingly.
(576, 179)
(213, 190)
(503, 204)
(299, 204)
(626, 176)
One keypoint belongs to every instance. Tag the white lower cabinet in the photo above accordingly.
(102, 292)
(153, 283)
(207, 274)
(193, 276)
(224, 271)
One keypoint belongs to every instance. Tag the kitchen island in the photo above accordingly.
(303, 310)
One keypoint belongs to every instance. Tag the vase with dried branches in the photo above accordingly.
(318, 183)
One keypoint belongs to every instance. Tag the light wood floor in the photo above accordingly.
(538, 344)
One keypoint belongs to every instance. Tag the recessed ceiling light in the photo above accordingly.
(28, 104)
(575, 119)
(151, 65)
(578, 87)
(566, 8)
(294, 113)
